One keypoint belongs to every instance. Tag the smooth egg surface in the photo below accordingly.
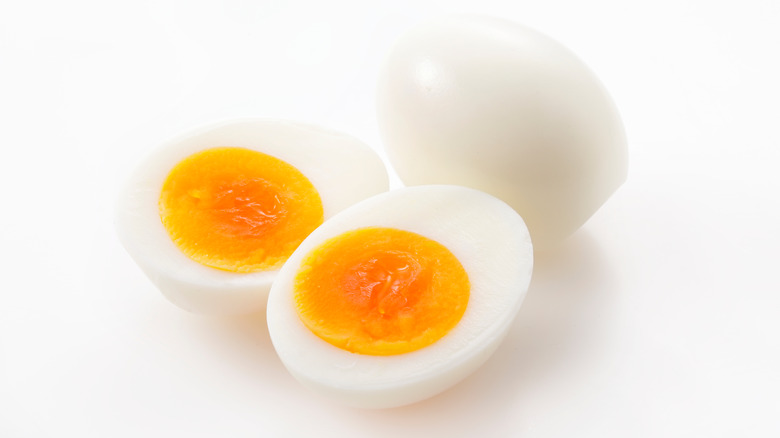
(494, 105)
(212, 215)
(402, 295)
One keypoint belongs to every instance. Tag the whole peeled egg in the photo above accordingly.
(211, 215)
(402, 295)
(491, 104)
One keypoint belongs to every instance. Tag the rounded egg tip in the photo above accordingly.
(495, 105)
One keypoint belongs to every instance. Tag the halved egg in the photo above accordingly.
(402, 295)
(212, 215)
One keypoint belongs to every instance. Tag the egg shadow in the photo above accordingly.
(569, 306)
(243, 341)
(560, 323)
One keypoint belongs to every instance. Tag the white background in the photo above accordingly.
(659, 318)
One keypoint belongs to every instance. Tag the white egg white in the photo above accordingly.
(341, 168)
(490, 104)
(489, 239)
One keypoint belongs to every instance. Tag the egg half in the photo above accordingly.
(212, 215)
(494, 105)
(402, 295)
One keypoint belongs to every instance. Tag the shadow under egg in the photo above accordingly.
(561, 326)
(243, 344)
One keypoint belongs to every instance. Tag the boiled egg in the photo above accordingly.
(400, 296)
(212, 215)
(497, 106)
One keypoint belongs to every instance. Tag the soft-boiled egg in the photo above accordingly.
(400, 296)
(491, 104)
(211, 216)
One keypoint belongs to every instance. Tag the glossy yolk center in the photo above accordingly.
(381, 291)
(238, 210)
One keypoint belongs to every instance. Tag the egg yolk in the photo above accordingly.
(237, 209)
(381, 291)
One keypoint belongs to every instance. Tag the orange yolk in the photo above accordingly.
(381, 291)
(238, 210)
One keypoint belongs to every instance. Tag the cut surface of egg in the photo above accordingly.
(238, 209)
(402, 295)
(211, 216)
(490, 104)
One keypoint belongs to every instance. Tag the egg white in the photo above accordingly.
(341, 168)
(491, 104)
(489, 239)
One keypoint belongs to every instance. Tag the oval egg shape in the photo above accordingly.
(212, 215)
(490, 104)
(402, 295)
